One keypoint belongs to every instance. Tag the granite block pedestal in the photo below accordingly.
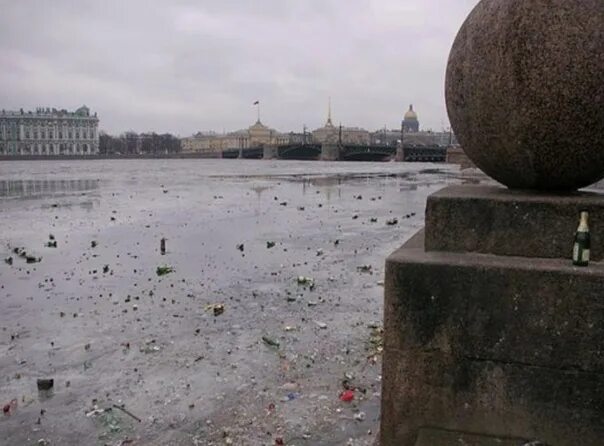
(491, 335)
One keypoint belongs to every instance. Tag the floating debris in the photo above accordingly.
(321, 325)
(290, 397)
(303, 280)
(270, 341)
(347, 396)
(241, 247)
(163, 270)
(10, 407)
(360, 416)
(8, 260)
(270, 245)
(392, 222)
(32, 259)
(217, 309)
(150, 347)
(162, 246)
(127, 412)
(376, 339)
(93, 244)
(51, 244)
(365, 269)
(95, 411)
(24, 255)
(45, 383)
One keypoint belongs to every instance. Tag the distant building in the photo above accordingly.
(198, 143)
(412, 135)
(410, 121)
(346, 135)
(257, 135)
(326, 134)
(49, 132)
(386, 137)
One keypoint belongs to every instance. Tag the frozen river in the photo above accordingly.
(94, 315)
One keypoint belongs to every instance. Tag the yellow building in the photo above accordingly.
(195, 144)
(257, 135)
(347, 135)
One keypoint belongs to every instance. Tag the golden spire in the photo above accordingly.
(329, 123)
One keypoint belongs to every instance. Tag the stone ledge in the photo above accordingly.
(495, 220)
(538, 312)
(507, 346)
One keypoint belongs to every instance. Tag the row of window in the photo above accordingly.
(51, 135)
(43, 149)
(60, 134)
(74, 124)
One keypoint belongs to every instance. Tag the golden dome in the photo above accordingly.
(410, 115)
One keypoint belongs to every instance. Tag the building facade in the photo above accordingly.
(198, 143)
(412, 135)
(330, 134)
(211, 143)
(386, 137)
(49, 132)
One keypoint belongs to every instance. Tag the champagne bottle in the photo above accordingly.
(582, 242)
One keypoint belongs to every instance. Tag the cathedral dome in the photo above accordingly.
(410, 115)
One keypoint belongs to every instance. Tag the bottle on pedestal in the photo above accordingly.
(582, 242)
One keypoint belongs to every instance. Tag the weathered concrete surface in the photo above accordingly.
(525, 94)
(492, 345)
(495, 220)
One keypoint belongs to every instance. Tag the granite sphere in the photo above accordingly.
(525, 91)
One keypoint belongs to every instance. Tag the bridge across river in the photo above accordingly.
(342, 152)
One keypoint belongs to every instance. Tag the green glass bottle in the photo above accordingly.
(582, 242)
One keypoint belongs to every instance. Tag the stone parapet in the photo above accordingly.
(492, 346)
(496, 220)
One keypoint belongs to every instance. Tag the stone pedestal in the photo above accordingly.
(270, 152)
(491, 335)
(400, 156)
(330, 152)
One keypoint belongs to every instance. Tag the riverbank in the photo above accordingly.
(109, 157)
(293, 251)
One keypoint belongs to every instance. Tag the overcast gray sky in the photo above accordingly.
(186, 65)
